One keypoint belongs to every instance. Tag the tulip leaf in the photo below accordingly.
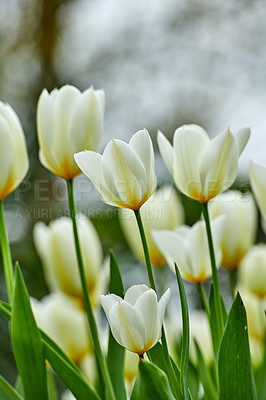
(116, 353)
(260, 376)
(62, 365)
(184, 359)
(234, 363)
(27, 344)
(205, 376)
(151, 383)
(216, 338)
(7, 392)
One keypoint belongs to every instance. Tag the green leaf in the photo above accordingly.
(205, 376)
(156, 355)
(62, 365)
(184, 359)
(7, 392)
(234, 364)
(216, 338)
(260, 376)
(151, 383)
(116, 353)
(27, 345)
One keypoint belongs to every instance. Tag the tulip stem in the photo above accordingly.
(6, 253)
(217, 301)
(203, 299)
(233, 281)
(93, 328)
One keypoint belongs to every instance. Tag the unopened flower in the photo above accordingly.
(240, 225)
(202, 168)
(136, 321)
(188, 248)
(14, 161)
(258, 184)
(163, 210)
(68, 121)
(124, 175)
(253, 270)
(56, 247)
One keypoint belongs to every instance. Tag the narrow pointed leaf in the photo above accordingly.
(205, 376)
(216, 338)
(151, 383)
(7, 392)
(27, 344)
(185, 337)
(116, 353)
(234, 364)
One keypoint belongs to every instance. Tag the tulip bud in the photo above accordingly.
(253, 271)
(124, 175)
(68, 121)
(56, 247)
(257, 180)
(202, 168)
(136, 321)
(240, 225)
(163, 210)
(188, 248)
(14, 161)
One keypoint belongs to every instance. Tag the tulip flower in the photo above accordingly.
(240, 225)
(188, 248)
(253, 271)
(131, 368)
(124, 175)
(14, 161)
(202, 168)
(68, 121)
(55, 245)
(163, 210)
(201, 333)
(136, 321)
(258, 185)
(59, 317)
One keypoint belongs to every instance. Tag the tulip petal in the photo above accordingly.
(242, 137)
(91, 164)
(127, 326)
(107, 302)
(147, 306)
(164, 300)
(134, 292)
(190, 142)
(142, 144)
(128, 175)
(7, 145)
(218, 164)
(167, 152)
(258, 183)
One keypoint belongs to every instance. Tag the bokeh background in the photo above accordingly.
(161, 64)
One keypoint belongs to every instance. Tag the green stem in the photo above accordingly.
(217, 302)
(152, 284)
(232, 279)
(7, 260)
(93, 328)
(203, 299)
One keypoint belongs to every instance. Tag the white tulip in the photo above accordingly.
(56, 247)
(131, 369)
(68, 121)
(240, 225)
(252, 271)
(202, 168)
(188, 248)
(136, 321)
(201, 333)
(14, 161)
(257, 174)
(163, 210)
(59, 317)
(124, 175)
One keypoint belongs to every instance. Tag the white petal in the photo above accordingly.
(107, 303)
(164, 300)
(242, 137)
(7, 145)
(218, 164)
(134, 292)
(167, 151)
(189, 144)
(258, 184)
(127, 327)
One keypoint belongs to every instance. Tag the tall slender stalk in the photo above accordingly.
(152, 284)
(7, 259)
(217, 301)
(203, 299)
(93, 328)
